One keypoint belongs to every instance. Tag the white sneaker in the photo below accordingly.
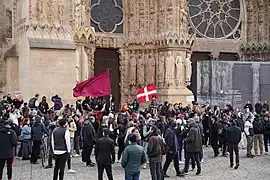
(202, 161)
(266, 153)
(144, 166)
(181, 162)
(76, 155)
(71, 171)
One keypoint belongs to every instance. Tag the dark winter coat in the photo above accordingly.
(38, 129)
(8, 140)
(234, 135)
(88, 134)
(194, 139)
(266, 127)
(257, 125)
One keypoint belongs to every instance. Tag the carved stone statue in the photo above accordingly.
(51, 11)
(90, 55)
(179, 69)
(161, 69)
(132, 69)
(140, 70)
(78, 62)
(188, 68)
(41, 11)
(183, 18)
(61, 8)
(169, 78)
(151, 67)
(80, 14)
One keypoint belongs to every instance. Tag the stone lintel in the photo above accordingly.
(51, 43)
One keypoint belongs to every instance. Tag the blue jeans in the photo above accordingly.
(134, 176)
(180, 143)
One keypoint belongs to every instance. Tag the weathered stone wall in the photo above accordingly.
(52, 71)
(236, 82)
(12, 75)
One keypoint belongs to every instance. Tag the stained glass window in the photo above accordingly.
(215, 18)
(107, 16)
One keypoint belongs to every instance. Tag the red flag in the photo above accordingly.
(96, 86)
(147, 93)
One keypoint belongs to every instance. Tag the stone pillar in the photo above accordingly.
(84, 64)
(256, 82)
(174, 52)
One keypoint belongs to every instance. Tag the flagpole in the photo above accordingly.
(110, 105)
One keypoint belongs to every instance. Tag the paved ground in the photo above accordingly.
(212, 169)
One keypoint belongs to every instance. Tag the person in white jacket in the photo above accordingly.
(249, 134)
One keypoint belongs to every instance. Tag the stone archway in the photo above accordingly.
(108, 59)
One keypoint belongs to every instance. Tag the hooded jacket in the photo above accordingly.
(8, 140)
(38, 129)
(194, 138)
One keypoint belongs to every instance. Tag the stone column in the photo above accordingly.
(256, 82)
(174, 49)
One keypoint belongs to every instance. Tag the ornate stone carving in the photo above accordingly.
(51, 11)
(61, 9)
(179, 69)
(205, 78)
(78, 65)
(151, 68)
(188, 68)
(169, 78)
(81, 13)
(170, 18)
(132, 68)
(41, 11)
(161, 69)
(140, 69)
(90, 54)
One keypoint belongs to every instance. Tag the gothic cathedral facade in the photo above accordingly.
(49, 45)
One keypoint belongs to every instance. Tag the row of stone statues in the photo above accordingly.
(54, 12)
(154, 67)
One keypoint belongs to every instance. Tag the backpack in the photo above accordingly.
(32, 103)
(258, 126)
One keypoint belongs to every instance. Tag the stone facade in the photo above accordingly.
(233, 81)
(55, 44)
(154, 39)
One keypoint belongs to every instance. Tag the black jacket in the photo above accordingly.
(88, 134)
(257, 125)
(8, 140)
(234, 135)
(38, 130)
(194, 139)
(104, 151)
(266, 127)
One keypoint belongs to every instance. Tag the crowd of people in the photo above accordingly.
(143, 137)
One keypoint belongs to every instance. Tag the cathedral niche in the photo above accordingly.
(107, 16)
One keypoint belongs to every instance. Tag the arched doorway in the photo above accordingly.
(109, 59)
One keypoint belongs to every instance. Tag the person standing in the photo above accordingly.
(172, 150)
(8, 140)
(61, 148)
(72, 129)
(154, 152)
(43, 105)
(193, 146)
(105, 155)
(38, 130)
(133, 157)
(249, 134)
(25, 138)
(234, 137)
(89, 140)
(258, 134)
(266, 132)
